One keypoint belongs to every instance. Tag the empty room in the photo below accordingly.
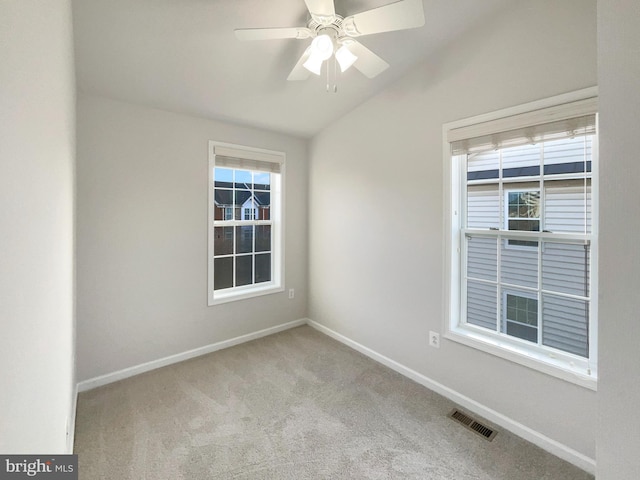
(341, 239)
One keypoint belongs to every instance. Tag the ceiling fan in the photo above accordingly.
(334, 35)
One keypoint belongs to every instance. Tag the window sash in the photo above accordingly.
(247, 219)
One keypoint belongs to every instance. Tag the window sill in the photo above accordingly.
(242, 293)
(561, 368)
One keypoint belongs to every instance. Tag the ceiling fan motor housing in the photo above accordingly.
(334, 29)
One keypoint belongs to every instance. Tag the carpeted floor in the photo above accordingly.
(295, 405)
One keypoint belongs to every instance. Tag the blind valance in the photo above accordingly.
(562, 121)
(231, 157)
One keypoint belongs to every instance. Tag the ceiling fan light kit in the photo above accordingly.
(334, 35)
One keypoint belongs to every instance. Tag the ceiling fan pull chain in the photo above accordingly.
(332, 85)
(328, 68)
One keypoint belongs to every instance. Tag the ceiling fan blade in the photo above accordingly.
(395, 16)
(321, 7)
(368, 62)
(299, 72)
(272, 33)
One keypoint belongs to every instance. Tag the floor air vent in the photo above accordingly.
(472, 425)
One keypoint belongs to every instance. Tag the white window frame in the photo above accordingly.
(565, 366)
(252, 156)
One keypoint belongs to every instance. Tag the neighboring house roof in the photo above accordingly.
(221, 197)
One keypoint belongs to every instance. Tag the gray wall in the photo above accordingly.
(142, 236)
(376, 266)
(37, 143)
(618, 444)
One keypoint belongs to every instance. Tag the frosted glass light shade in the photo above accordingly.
(345, 58)
(313, 64)
(322, 45)
(321, 49)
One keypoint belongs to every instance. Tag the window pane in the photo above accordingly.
(264, 213)
(519, 266)
(565, 324)
(481, 305)
(568, 155)
(263, 238)
(263, 268)
(483, 166)
(222, 273)
(223, 177)
(482, 258)
(565, 268)
(262, 180)
(244, 239)
(223, 197)
(243, 179)
(483, 206)
(263, 204)
(243, 200)
(223, 241)
(244, 273)
(521, 161)
(568, 206)
(222, 200)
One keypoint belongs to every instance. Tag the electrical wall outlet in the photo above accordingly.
(434, 339)
(292, 293)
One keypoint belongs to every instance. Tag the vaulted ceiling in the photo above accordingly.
(182, 55)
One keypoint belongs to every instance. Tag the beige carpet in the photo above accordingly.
(295, 405)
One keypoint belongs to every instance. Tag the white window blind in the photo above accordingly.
(231, 157)
(561, 121)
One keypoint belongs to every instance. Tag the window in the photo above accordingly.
(520, 314)
(523, 213)
(522, 241)
(245, 222)
(249, 214)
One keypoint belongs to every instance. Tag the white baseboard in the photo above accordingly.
(552, 446)
(180, 357)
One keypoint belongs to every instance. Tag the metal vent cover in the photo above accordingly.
(473, 425)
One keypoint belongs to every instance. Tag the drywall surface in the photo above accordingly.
(618, 441)
(142, 236)
(376, 208)
(37, 145)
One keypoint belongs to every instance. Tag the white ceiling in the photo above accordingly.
(182, 55)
